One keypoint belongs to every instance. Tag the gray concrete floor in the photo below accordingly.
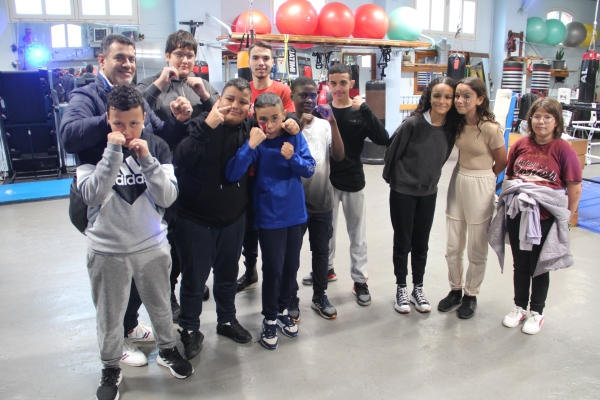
(49, 348)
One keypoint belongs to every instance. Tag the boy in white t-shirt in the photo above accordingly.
(324, 140)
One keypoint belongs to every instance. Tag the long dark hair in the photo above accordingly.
(453, 117)
(552, 107)
(484, 113)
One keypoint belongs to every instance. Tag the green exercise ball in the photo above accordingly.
(404, 24)
(557, 32)
(536, 30)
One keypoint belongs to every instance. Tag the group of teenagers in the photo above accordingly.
(179, 179)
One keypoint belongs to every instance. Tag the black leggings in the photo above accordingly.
(412, 218)
(525, 262)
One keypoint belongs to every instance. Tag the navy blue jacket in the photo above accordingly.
(84, 125)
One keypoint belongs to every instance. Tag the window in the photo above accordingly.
(317, 4)
(107, 11)
(68, 35)
(442, 17)
(562, 15)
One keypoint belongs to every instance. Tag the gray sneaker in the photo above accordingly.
(294, 308)
(322, 305)
(331, 276)
(361, 291)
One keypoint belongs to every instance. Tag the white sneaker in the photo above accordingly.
(132, 356)
(515, 317)
(141, 333)
(401, 304)
(533, 324)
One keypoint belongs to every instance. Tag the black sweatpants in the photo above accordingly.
(524, 263)
(201, 249)
(250, 249)
(412, 218)
(280, 250)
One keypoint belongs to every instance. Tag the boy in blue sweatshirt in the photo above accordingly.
(127, 193)
(279, 206)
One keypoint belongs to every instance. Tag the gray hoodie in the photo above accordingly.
(555, 252)
(127, 197)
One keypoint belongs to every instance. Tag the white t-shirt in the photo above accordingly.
(318, 189)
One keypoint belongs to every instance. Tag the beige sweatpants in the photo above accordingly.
(469, 211)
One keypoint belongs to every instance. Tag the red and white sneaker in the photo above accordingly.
(141, 333)
(515, 317)
(534, 323)
(132, 356)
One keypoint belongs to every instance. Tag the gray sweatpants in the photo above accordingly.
(110, 278)
(355, 211)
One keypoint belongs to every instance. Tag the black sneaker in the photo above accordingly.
(206, 293)
(246, 281)
(453, 299)
(322, 305)
(294, 308)
(175, 309)
(109, 383)
(417, 297)
(361, 291)
(192, 343)
(235, 332)
(467, 308)
(180, 367)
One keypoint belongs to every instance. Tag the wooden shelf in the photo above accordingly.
(329, 41)
(559, 73)
(410, 67)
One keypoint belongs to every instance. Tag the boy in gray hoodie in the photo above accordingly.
(127, 193)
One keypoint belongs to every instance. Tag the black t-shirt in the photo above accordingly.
(354, 126)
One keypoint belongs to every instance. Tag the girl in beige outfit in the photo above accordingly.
(470, 203)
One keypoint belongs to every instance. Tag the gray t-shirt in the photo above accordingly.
(317, 189)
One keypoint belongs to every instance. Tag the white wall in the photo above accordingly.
(7, 37)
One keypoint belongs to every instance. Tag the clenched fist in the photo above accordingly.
(256, 137)
(181, 109)
(140, 146)
(287, 150)
(306, 119)
(356, 102)
(198, 86)
(290, 126)
(116, 138)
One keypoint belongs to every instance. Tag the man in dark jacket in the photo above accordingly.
(84, 131)
(69, 82)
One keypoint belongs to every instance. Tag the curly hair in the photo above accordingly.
(552, 107)
(124, 98)
(484, 113)
(453, 117)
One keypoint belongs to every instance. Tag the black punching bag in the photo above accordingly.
(457, 66)
(203, 72)
(587, 76)
(375, 98)
(355, 90)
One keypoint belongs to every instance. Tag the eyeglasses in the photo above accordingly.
(265, 120)
(546, 118)
(304, 96)
(179, 55)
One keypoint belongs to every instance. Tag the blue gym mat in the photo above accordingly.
(589, 206)
(34, 191)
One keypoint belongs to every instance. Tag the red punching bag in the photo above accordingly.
(324, 93)
(203, 70)
(307, 71)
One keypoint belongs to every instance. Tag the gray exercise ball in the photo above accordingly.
(576, 34)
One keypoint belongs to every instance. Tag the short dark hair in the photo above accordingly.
(267, 99)
(110, 39)
(239, 83)
(264, 45)
(340, 68)
(71, 71)
(302, 81)
(124, 98)
(181, 39)
(89, 68)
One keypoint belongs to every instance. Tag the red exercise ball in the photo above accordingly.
(336, 19)
(370, 22)
(296, 17)
(233, 24)
(262, 24)
(234, 48)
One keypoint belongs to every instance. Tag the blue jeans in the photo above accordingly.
(280, 261)
(201, 249)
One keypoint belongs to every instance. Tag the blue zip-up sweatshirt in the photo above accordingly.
(278, 193)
